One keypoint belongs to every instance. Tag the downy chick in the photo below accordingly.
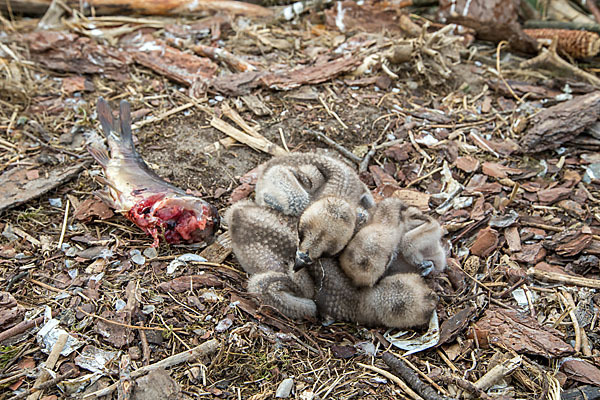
(397, 301)
(264, 242)
(289, 183)
(397, 239)
(325, 228)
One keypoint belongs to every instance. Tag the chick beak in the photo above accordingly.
(302, 260)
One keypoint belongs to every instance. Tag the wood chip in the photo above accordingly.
(485, 243)
(467, 164)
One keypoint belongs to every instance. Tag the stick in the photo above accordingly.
(498, 372)
(22, 327)
(562, 278)
(395, 379)
(145, 348)
(570, 304)
(49, 383)
(125, 386)
(254, 142)
(64, 226)
(185, 356)
(400, 368)
(228, 58)
(50, 363)
(364, 164)
(344, 151)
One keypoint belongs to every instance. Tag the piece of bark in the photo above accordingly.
(117, 335)
(311, 75)
(176, 65)
(520, 333)
(498, 170)
(533, 92)
(369, 17)
(555, 125)
(184, 283)
(569, 242)
(581, 371)
(485, 243)
(120, 7)
(219, 250)
(17, 190)
(551, 196)
(493, 20)
(11, 313)
(68, 52)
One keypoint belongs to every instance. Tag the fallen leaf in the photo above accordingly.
(343, 351)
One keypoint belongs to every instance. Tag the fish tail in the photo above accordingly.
(125, 121)
(105, 116)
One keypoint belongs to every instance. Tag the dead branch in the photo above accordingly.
(549, 58)
(22, 327)
(562, 278)
(50, 363)
(344, 151)
(498, 372)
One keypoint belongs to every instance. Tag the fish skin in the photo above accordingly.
(132, 188)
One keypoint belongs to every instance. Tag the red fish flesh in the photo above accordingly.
(132, 188)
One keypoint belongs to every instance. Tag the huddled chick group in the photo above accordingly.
(314, 242)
